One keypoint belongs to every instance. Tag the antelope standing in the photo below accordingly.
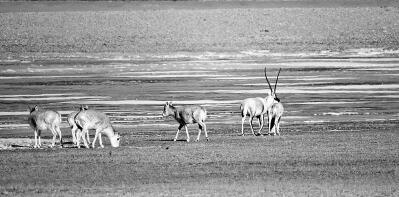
(92, 119)
(275, 114)
(72, 124)
(257, 107)
(41, 120)
(187, 115)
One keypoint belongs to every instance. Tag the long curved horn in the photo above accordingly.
(268, 82)
(275, 85)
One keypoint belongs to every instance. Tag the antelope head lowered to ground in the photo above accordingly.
(258, 107)
(72, 124)
(187, 115)
(41, 120)
(92, 119)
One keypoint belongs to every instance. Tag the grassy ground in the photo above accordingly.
(294, 164)
(152, 28)
(350, 149)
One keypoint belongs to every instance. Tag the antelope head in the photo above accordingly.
(115, 140)
(83, 107)
(32, 109)
(168, 109)
(272, 94)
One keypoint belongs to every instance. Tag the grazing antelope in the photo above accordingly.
(72, 124)
(92, 119)
(187, 115)
(258, 107)
(275, 114)
(41, 120)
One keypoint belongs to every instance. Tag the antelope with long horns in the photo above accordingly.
(187, 115)
(41, 120)
(258, 107)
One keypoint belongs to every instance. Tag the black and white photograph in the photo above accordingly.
(271, 98)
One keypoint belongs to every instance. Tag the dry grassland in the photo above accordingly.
(168, 30)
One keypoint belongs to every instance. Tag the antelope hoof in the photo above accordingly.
(188, 140)
(207, 139)
(197, 140)
(258, 134)
(174, 140)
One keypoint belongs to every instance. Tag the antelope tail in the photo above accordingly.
(242, 108)
(77, 121)
(205, 113)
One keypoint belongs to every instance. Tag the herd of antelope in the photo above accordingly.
(86, 119)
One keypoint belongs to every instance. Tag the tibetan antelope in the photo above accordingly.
(258, 107)
(72, 124)
(275, 114)
(92, 119)
(41, 120)
(187, 115)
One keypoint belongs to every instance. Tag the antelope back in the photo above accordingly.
(42, 120)
(254, 106)
(72, 115)
(92, 119)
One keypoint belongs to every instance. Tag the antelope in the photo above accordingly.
(92, 119)
(258, 107)
(275, 114)
(40, 120)
(72, 124)
(187, 115)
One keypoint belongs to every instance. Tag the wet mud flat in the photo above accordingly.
(355, 86)
(339, 129)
